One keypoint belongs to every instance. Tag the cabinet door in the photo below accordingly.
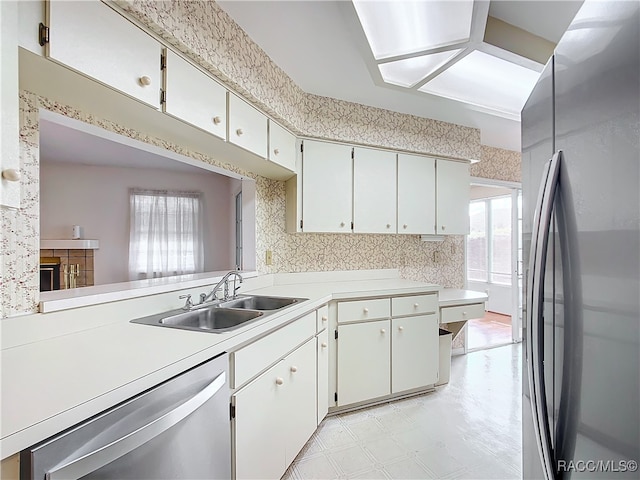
(247, 126)
(282, 146)
(323, 374)
(363, 361)
(414, 348)
(299, 416)
(453, 186)
(327, 175)
(259, 433)
(374, 191)
(416, 194)
(93, 39)
(194, 97)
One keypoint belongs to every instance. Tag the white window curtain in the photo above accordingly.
(166, 233)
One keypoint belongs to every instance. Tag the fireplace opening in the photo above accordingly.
(49, 274)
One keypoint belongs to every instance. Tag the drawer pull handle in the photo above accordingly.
(383, 331)
(145, 81)
(276, 151)
(239, 132)
(365, 310)
(294, 369)
(415, 305)
(323, 344)
(11, 174)
(217, 120)
(279, 381)
(324, 318)
(401, 328)
(464, 314)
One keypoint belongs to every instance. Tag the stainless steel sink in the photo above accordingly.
(259, 302)
(214, 318)
(219, 317)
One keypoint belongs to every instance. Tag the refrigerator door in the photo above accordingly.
(537, 149)
(597, 110)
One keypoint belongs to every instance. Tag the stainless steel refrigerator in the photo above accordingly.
(581, 201)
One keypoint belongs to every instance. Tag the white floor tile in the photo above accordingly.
(467, 429)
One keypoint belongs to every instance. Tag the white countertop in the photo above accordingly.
(451, 296)
(57, 380)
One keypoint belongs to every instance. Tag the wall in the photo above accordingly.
(210, 37)
(97, 198)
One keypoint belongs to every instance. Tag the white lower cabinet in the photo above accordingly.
(322, 345)
(414, 352)
(275, 415)
(363, 361)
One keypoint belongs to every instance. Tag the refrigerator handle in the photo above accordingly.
(535, 320)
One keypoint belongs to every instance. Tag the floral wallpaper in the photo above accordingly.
(205, 33)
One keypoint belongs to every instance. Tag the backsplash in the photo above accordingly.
(246, 68)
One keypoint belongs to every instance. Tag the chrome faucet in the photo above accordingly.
(224, 281)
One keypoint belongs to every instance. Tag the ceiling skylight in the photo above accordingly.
(410, 71)
(485, 80)
(403, 27)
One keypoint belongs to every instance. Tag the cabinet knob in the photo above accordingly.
(279, 381)
(324, 318)
(276, 151)
(464, 314)
(388, 225)
(365, 310)
(415, 305)
(342, 224)
(401, 328)
(11, 174)
(404, 226)
(239, 132)
(323, 344)
(294, 369)
(383, 331)
(443, 227)
(217, 120)
(145, 81)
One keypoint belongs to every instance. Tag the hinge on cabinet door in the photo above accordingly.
(232, 411)
(336, 335)
(43, 34)
(163, 96)
(352, 154)
(335, 397)
(163, 61)
(351, 225)
(300, 224)
(301, 147)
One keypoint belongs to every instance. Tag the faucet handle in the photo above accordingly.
(188, 304)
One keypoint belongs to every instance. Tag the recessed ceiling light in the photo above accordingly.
(410, 71)
(485, 80)
(403, 27)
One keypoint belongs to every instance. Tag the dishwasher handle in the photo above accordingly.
(106, 454)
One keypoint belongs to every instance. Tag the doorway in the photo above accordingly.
(494, 262)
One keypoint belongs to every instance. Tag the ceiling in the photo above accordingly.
(321, 45)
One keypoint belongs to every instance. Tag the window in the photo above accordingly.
(489, 241)
(166, 233)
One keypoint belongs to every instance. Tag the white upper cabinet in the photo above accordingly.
(327, 174)
(247, 126)
(282, 146)
(194, 97)
(453, 187)
(374, 191)
(93, 39)
(416, 194)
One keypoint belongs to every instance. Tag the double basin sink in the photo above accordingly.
(223, 316)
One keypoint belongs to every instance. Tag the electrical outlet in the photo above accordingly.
(268, 257)
(436, 256)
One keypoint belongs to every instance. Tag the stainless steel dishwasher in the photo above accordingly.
(179, 429)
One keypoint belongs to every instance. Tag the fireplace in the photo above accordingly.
(49, 274)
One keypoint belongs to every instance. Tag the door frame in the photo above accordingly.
(516, 308)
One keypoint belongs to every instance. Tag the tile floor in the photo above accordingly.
(467, 429)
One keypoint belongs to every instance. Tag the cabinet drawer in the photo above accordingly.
(414, 305)
(323, 318)
(253, 358)
(463, 312)
(363, 310)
